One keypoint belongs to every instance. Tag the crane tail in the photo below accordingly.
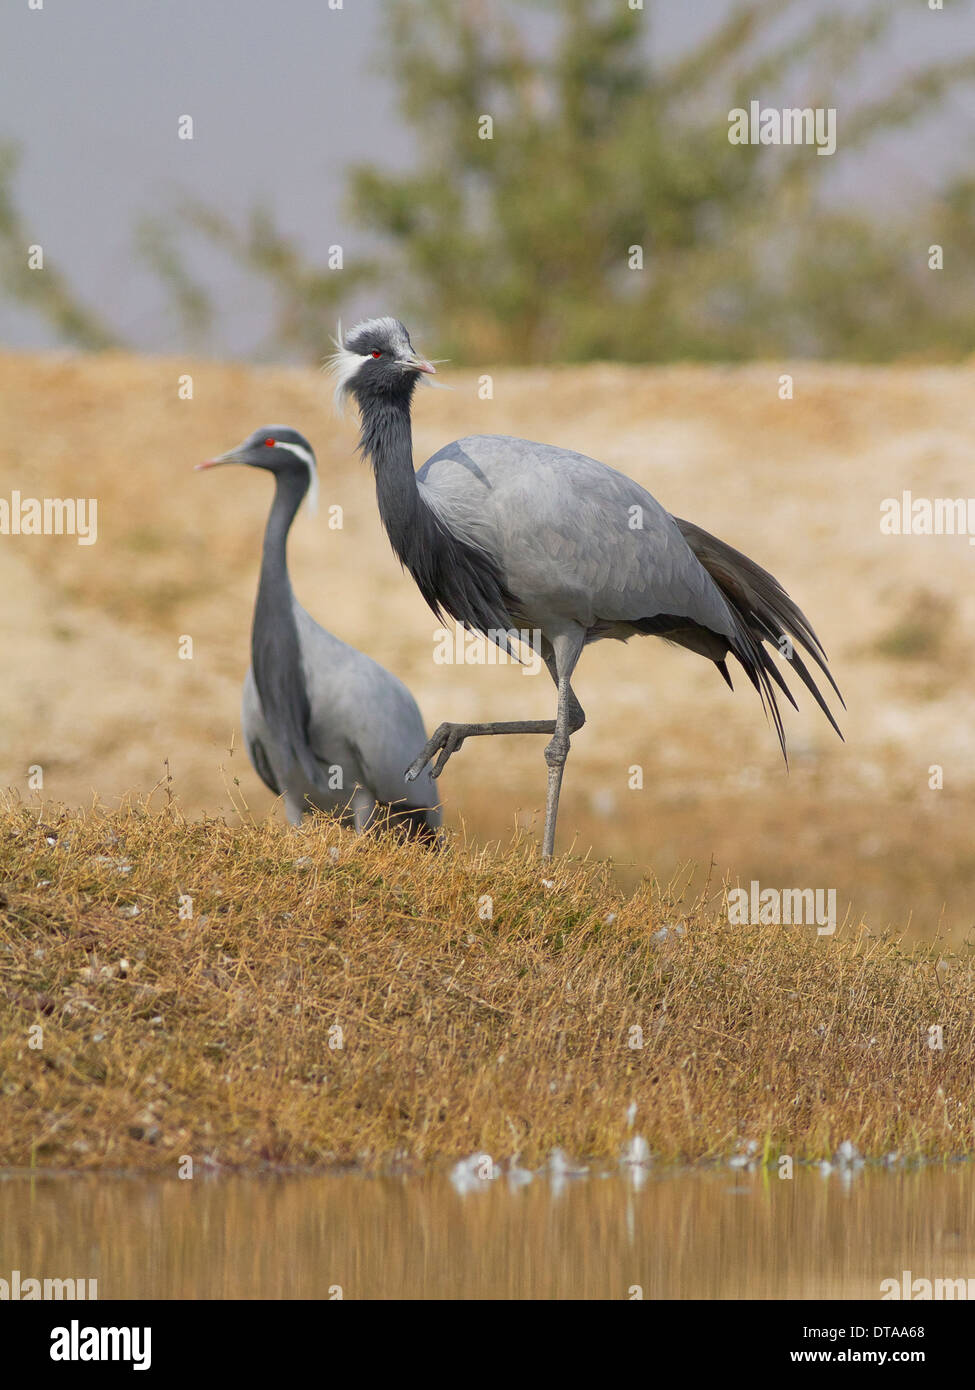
(763, 612)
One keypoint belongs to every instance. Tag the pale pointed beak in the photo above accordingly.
(231, 457)
(420, 364)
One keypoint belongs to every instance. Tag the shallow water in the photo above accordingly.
(674, 1233)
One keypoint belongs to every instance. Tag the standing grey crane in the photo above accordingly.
(504, 534)
(324, 725)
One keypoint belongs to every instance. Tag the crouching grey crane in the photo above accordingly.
(503, 534)
(324, 725)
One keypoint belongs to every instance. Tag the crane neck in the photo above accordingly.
(454, 577)
(289, 492)
(386, 440)
(275, 645)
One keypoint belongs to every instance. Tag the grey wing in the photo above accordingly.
(585, 541)
(392, 745)
(257, 736)
(591, 546)
(363, 717)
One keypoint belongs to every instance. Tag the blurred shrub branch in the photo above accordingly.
(46, 292)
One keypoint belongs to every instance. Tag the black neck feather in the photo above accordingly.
(455, 577)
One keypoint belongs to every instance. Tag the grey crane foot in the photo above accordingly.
(449, 737)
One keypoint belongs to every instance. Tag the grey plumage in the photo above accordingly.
(323, 724)
(505, 533)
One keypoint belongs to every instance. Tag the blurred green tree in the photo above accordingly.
(517, 247)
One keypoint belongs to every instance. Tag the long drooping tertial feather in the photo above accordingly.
(765, 613)
(453, 575)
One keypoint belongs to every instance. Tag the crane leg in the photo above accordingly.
(566, 649)
(363, 807)
(448, 738)
(570, 718)
(561, 661)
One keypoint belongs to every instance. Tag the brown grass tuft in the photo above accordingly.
(215, 1036)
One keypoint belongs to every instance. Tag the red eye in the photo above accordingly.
(269, 443)
(376, 352)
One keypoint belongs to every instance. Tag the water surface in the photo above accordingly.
(672, 1233)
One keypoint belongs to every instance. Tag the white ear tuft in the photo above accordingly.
(308, 459)
(342, 366)
(312, 495)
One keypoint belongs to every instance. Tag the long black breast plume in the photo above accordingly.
(457, 579)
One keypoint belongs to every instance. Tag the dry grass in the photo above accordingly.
(215, 1036)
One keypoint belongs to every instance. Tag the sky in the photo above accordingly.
(284, 94)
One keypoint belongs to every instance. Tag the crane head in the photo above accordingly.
(376, 360)
(280, 450)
